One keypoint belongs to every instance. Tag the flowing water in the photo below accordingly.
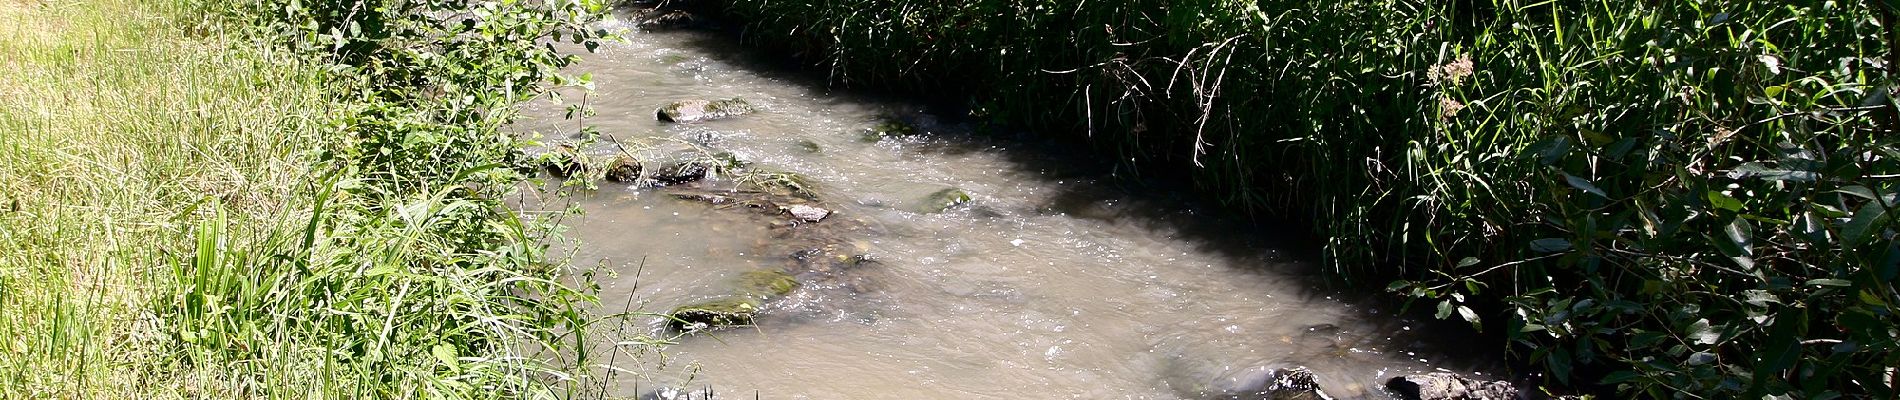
(1052, 283)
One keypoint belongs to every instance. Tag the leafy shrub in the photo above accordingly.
(1700, 191)
(1683, 197)
(408, 277)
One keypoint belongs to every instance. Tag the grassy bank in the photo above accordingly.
(1652, 198)
(209, 199)
(119, 133)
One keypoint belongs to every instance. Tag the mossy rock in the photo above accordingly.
(943, 200)
(622, 169)
(567, 159)
(888, 128)
(677, 163)
(714, 314)
(690, 111)
(766, 283)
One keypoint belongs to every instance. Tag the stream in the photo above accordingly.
(1053, 281)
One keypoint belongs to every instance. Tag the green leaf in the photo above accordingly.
(1864, 224)
(1740, 234)
(1701, 332)
(1471, 316)
(1550, 245)
(1809, 226)
(1619, 377)
(1723, 201)
(1467, 262)
(1549, 150)
(1620, 149)
(1444, 309)
(1831, 282)
(1701, 358)
(1584, 185)
(446, 354)
(1859, 191)
(1760, 298)
(1645, 339)
(1559, 363)
(1757, 171)
(1872, 299)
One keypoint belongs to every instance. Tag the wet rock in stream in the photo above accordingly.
(714, 314)
(660, 20)
(943, 200)
(808, 213)
(674, 162)
(574, 159)
(888, 128)
(674, 393)
(661, 15)
(650, 162)
(815, 240)
(682, 172)
(754, 289)
(1449, 386)
(1293, 384)
(1263, 383)
(690, 111)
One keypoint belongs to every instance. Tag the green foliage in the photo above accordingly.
(408, 277)
(1700, 185)
(1687, 197)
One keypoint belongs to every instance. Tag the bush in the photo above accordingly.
(1661, 197)
(407, 276)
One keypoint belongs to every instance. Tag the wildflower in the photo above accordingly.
(1454, 71)
(1448, 108)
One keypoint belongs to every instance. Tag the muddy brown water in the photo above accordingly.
(1051, 283)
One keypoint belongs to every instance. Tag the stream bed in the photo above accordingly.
(1052, 281)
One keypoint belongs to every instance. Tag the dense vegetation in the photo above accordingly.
(1677, 198)
(265, 198)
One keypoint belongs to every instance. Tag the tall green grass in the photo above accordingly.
(195, 208)
(117, 132)
(1667, 198)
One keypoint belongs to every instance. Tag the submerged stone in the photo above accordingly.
(714, 314)
(690, 111)
(810, 146)
(766, 283)
(943, 200)
(888, 128)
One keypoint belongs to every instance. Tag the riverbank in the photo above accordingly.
(1639, 198)
(201, 201)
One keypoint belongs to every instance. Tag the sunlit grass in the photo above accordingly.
(116, 129)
